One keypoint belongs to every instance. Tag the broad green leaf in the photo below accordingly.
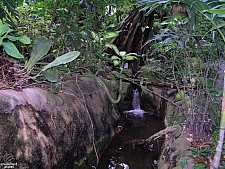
(110, 35)
(12, 38)
(11, 50)
(115, 57)
(51, 75)
(130, 57)
(5, 29)
(114, 47)
(132, 54)
(25, 40)
(40, 49)
(66, 58)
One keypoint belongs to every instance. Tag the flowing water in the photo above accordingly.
(139, 125)
(137, 111)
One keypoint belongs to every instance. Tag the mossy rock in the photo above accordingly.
(147, 73)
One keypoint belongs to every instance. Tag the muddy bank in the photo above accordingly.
(68, 129)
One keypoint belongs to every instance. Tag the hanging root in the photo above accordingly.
(92, 126)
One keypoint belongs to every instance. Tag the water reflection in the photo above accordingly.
(121, 154)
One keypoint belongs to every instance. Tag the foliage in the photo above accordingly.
(190, 60)
(198, 155)
(88, 18)
(9, 47)
(40, 49)
(74, 25)
(7, 10)
(35, 19)
(210, 9)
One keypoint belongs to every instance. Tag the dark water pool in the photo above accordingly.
(120, 153)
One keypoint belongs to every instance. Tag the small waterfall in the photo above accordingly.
(136, 105)
(136, 100)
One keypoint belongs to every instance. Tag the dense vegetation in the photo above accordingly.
(43, 41)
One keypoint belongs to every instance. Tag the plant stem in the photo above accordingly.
(217, 156)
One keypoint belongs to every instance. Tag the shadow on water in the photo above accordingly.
(120, 154)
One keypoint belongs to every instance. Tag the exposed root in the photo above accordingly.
(13, 77)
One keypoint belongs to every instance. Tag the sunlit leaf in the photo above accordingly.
(11, 50)
(130, 57)
(25, 40)
(12, 38)
(66, 58)
(114, 47)
(110, 35)
(115, 57)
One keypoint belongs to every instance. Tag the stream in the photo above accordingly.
(139, 125)
(121, 154)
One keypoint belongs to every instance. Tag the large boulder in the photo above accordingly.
(68, 129)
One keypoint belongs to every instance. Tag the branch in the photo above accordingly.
(161, 133)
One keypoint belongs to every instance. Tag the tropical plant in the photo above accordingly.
(7, 39)
(40, 49)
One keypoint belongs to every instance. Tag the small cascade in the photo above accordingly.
(136, 100)
(136, 105)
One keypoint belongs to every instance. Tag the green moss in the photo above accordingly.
(147, 73)
(147, 99)
(100, 145)
(90, 158)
